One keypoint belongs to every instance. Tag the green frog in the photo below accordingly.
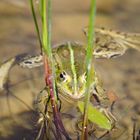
(70, 92)
(108, 44)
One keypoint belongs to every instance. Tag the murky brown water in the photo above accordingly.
(121, 75)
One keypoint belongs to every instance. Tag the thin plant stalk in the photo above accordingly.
(89, 54)
(50, 69)
(36, 24)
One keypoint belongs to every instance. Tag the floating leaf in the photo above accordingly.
(95, 116)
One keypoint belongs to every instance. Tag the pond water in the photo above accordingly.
(17, 35)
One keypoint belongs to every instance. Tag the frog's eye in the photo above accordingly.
(62, 76)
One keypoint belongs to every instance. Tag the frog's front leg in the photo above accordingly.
(42, 102)
(102, 101)
(106, 110)
(43, 107)
(99, 92)
(108, 114)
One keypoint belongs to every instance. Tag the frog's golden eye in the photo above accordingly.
(62, 76)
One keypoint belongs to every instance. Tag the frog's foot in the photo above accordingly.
(43, 125)
(43, 117)
(107, 112)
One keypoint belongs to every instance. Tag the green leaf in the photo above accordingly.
(95, 116)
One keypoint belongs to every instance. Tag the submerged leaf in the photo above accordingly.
(95, 116)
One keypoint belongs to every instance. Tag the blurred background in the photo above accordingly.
(121, 75)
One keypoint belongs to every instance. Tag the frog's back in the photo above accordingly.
(62, 55)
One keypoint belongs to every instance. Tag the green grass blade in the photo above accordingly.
(36, 23)
(44, 28)
(89, 53)
(73, 67)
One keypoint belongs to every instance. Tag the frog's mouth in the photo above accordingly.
(68, 92)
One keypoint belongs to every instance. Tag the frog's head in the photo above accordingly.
(70, 79)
